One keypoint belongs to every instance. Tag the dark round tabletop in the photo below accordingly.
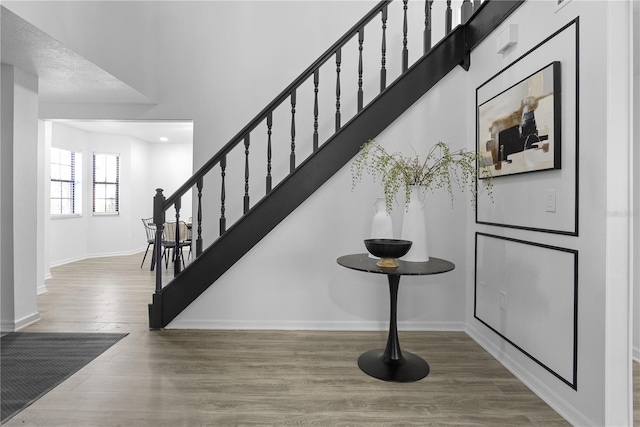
(362, 262)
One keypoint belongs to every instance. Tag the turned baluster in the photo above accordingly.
(246, 173)
(223, 195)
(360, 92)
(466, 10)
(427, 25)
(199, 227)
(448, 18)
(177, 266)
(383, 70)
(338, 62)
(405, 51)
(269, 125)
(292, 156)
(316, 82)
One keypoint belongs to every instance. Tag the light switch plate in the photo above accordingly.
(503, 300)
(550, 200)
(482, 289)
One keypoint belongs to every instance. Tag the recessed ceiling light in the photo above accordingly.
(164, 139)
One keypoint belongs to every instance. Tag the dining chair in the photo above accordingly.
(169, 242)
(150, 230)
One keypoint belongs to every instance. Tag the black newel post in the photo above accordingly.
(158, 220)
(155, 309)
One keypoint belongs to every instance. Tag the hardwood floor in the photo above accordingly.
(219, 378)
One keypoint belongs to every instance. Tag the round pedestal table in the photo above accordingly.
(391, 363)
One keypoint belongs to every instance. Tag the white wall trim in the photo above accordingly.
(12, 326)
(88, 256)
(551, 398)
(7, 326)
(618, 296)
(319, 325)
(636, 354)
(42, 288)
(27, 320)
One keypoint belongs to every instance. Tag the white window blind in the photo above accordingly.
(106, 183)
(66, 169)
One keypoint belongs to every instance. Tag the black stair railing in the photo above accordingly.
(288, 97)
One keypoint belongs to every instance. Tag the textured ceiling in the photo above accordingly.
(63, 75)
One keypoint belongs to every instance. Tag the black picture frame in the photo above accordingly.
(519, 128)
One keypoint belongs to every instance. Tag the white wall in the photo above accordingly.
(291, 279)
(636, 179)
(178, 54)
(201, 76)
(21, 243)
(600, 386)
(75, 238)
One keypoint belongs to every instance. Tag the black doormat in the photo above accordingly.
(32, 363)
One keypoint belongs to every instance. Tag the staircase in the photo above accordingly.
(326, 159)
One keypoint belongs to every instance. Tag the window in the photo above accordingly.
(66, 168)
(106, 183)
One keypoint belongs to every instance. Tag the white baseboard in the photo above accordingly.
(551, 398)
(320, 325)
(42, 288)
(7, 326)
(636, 354)
(27, 320)
(12, 326)
(89, 256)
(66, 261)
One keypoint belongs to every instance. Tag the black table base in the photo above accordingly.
(391, 363)
(406, 369)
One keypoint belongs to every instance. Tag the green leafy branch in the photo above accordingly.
(442, 168)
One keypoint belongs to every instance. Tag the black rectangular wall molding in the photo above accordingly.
(573, 380)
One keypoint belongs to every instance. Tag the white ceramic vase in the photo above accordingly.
(414, 227)
(381, 225)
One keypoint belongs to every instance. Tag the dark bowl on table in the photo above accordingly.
(388, 248)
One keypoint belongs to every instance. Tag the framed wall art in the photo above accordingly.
(519, 127)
